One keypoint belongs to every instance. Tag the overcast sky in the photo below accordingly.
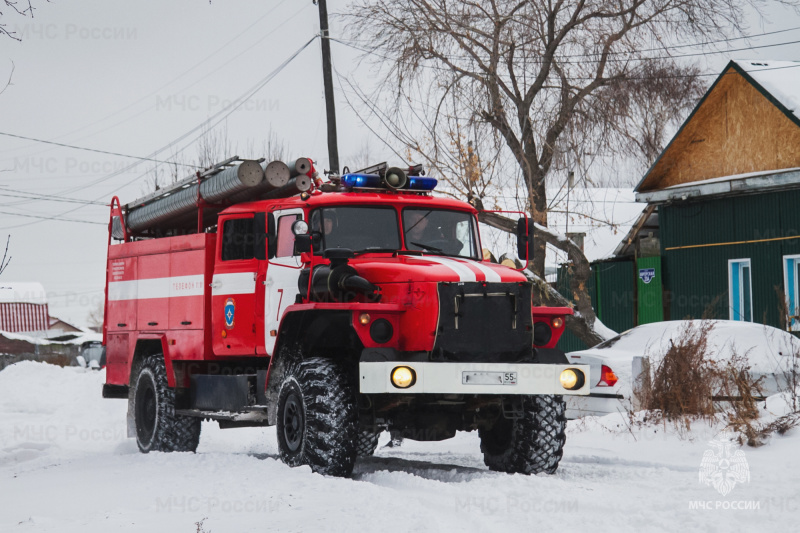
(131, 77)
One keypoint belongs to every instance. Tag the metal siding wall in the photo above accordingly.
(611, 289)
(649, 302)
(697, 278)
(615, 293)
(16, 317)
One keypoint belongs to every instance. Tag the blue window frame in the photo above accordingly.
(740, 290)
(791, 284)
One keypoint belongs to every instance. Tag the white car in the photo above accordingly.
(771, 353)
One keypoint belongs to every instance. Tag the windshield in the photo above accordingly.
(440, 231)
(361, 229)
(376, 229)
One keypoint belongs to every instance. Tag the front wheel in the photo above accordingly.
(318, 418)
(158, 428)
(532, 444)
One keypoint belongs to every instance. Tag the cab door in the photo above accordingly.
(233, 287)
(282, 274)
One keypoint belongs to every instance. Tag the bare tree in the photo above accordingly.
(545, 76)
(96, 316)
(6, 258)
(20, 7)
(8, 81)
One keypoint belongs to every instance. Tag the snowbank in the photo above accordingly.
(66, 466)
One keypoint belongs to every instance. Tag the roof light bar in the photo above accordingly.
(361, 180)
(419, 183)
(374, 181)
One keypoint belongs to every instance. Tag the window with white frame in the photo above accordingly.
(791, 284)
(740, 290)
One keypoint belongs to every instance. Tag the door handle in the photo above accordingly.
(215, 284)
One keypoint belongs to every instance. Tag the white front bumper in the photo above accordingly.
(453, 378)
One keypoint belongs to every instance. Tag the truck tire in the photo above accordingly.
(367, 443)
(318, 418)
(531, 444)
(158, 428)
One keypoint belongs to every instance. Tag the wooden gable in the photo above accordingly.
(738, 127)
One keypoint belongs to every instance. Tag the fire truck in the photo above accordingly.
(255, 294)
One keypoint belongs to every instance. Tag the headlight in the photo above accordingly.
(403, 377)
(572, 379)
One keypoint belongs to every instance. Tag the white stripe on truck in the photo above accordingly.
(236, 283)
(463, 272)
(144, 289)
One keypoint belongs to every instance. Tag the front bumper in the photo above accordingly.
(470, 378)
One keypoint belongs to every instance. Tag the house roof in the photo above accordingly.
(752, 182)
(778, 81)
(22, 292)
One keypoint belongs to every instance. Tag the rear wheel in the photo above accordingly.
(318, 418)
(158, 428)
(531, 444)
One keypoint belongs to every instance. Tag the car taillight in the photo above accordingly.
(607, 377)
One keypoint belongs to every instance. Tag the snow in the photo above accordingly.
(22, 292)
(733, 177)
(766, 347)
(66, 466)
(603, 330)
(780, 78)
(79, 337)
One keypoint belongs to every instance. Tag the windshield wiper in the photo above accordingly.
(429, 248)
(376, 249)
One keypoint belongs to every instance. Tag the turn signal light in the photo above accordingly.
(403, 377)
(557, 322)
(364, 319)
(607, 377)
(572, 379)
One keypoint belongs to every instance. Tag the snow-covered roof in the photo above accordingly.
(781, 79)
(27, 292)
(762, 181)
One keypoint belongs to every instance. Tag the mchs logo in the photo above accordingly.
(723, 466)
(230, 312)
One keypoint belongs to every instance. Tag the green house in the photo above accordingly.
(719, 236)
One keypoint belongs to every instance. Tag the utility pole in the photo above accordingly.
(327, 79)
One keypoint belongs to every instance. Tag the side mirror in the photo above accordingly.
(302, 238)
(525, 239)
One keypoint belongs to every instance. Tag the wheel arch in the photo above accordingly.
(308, 333)
(151, 345)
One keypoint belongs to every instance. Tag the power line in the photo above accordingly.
(578, 78)
(46, 197)
(179, 76)
(55, 217)
(96, 150)
(221, 115)
(670, 47)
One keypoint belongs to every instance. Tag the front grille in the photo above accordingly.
(484, 322)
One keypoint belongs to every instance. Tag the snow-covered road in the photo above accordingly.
(65, 465)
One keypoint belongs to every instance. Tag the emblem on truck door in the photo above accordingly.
(230, 312)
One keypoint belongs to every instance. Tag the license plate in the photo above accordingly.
(488, 378)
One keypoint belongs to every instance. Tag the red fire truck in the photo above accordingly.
(332, 310)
